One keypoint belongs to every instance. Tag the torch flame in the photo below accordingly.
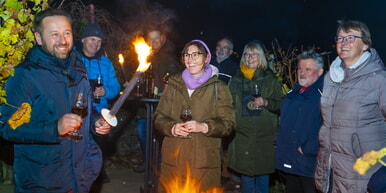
(121, 59)
(143, 51)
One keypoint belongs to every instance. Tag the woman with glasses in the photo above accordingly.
(353, 107)
(251, 153)
(194, 144)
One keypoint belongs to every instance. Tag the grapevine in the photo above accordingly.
(16, 36)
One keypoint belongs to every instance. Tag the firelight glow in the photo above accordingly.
(143, 50)
(121, 59)
(188, 185)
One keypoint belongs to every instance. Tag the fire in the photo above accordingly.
(143, 51)
(121, 59)
(188, 185)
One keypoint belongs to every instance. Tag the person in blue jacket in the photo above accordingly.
(38, 118)
(300, 120)
(99, 67)
(102, 77)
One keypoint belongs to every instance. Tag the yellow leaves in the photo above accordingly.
(21, 116)
(5, 15)
(16, 5)
(369, 159)
(16, 36)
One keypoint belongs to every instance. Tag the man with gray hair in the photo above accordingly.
(226, 65)
(300, 120)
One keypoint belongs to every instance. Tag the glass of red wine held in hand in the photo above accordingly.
(256, 94)
(186, 115)
(79, 108)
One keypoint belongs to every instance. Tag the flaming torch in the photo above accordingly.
(143, 51)
(121, 62)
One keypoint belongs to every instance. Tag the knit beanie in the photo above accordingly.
(92, 30)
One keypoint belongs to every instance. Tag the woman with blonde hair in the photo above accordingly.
(251, 153)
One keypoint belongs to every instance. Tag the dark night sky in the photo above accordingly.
(293, 22)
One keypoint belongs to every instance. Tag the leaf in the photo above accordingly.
(21, 116)
(16, 5)
(23, 16)
(5, 15)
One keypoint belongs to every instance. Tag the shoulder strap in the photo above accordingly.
(216, 91)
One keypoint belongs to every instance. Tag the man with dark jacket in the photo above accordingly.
(163, 63)
(227, 68)
(44, 87)
(226, 65)
(300, 120)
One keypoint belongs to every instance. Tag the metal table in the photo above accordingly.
(152, 148)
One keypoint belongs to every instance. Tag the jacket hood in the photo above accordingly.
(39, 58)
(371, 64)
(315, 87)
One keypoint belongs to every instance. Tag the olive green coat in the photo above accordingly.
(251, 152)
(201, 152)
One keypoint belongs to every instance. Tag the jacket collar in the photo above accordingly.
(316, 87)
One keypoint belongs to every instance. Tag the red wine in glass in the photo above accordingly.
(256, 94)
(79, 108)
(186, 115)
(186, 118)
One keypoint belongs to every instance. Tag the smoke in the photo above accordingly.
(141, 16)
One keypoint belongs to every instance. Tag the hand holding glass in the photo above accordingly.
(256, 94)
(79, 108)
(186, 115)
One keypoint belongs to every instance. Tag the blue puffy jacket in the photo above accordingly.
(45, 162)
(300, 121)
(101, 65)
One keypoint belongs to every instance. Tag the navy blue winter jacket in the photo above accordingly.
(45, 162)
(300, 121)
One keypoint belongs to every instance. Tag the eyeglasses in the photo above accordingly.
(347, 39)
(193, 55)
(224, 48)
(254, 55)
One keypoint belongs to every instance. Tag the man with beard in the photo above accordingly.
(227, 68)
(47, 157)
(300, 120)
(163, 63)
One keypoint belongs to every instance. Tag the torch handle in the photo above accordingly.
(117, 105)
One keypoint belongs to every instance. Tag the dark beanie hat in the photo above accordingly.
(92, 30)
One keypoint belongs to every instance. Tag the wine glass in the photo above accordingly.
(256, 94)
(79, 108)
(186, 115)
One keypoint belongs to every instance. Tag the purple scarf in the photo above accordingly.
(193, 83)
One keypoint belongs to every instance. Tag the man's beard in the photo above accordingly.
(54, 53)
